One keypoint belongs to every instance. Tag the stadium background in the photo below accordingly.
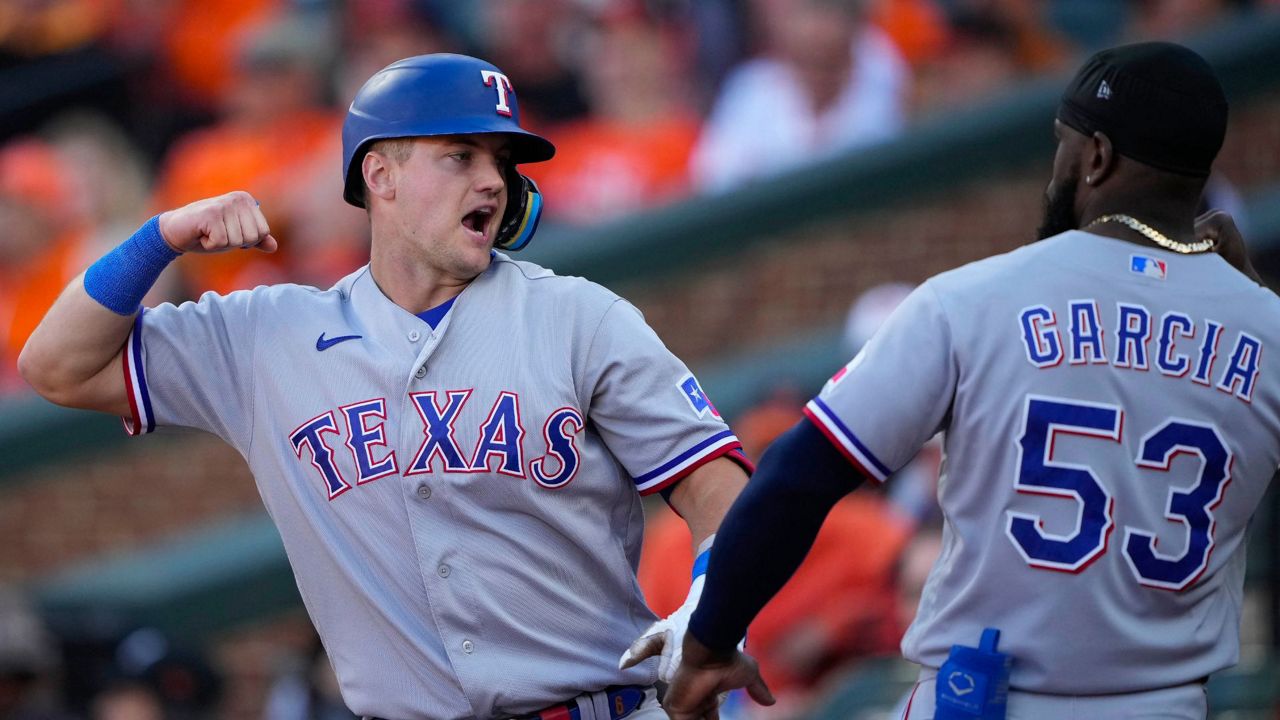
(141, 580)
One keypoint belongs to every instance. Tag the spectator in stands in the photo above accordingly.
(32, 29)
(1037, 48)
(633, 150)
(918, 28)
(992, 47)
(29, 662)
(107, 186)
(275, 123)
(308, 691)
(830, 81)
(127, 700)
(201, 43)
(152, 673)
(1173, 19)
(536, 40)
(41, 245)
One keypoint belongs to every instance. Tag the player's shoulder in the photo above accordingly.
(543, 283)
(282, 298)
(1029, 264)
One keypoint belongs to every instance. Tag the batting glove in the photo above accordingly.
(665, 638)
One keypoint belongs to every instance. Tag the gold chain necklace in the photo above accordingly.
(1154, 235)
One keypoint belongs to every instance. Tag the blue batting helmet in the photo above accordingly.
(445, 94)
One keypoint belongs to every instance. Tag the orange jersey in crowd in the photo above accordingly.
(27, 293)
(201, 40)
(603, 169)
(262, 161)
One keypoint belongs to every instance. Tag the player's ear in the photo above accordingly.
(379, 176)
(1100, 158)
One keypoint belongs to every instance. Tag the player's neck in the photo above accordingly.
(1177, 222)
(414, 285)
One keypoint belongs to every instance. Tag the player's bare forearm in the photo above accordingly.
(705, 496)
(72, 358)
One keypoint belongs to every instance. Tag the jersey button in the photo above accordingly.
(414, 335)
(468, 646)
(443, 571)
(420, 372)
(424, 492)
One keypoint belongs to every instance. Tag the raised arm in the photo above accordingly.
(73, 357)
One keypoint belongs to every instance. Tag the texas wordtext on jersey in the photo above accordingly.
(1174, 343)
(501, 437)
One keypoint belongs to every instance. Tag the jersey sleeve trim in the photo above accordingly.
(142, 420)
(742, 460)
(736, 456)
(686, 462)
(845, 441)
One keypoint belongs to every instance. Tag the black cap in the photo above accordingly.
(1158, 102)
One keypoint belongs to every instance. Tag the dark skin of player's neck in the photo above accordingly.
(1114, 184)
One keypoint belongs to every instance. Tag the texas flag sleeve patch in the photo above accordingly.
(698, 400)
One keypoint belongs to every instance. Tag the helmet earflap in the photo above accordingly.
(524, 209)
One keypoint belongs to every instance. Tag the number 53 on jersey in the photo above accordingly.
(1208, 469)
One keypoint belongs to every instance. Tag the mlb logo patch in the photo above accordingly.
(698, 400)
(1149, 266)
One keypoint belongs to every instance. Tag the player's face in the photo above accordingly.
(450, 194)
(1060, 198)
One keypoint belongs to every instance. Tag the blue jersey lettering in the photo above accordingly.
(437, 425)
(501, 435)
(1040, 336)
(311, 435)
(558, 432)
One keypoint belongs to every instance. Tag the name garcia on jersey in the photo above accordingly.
(499, 446)
(1174, 343)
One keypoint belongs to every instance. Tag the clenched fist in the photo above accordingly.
(218, 223)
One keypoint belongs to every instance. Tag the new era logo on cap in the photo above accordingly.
(1104, 91)
(1148, 266)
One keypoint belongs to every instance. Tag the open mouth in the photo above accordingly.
(477, 221)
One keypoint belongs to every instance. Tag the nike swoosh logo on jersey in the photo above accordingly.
(322, 344)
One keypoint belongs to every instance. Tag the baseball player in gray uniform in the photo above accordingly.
(453, 444)
(1110, 426)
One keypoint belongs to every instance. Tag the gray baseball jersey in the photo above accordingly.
(460, 506)
(1110, 428)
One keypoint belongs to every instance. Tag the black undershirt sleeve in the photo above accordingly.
(769, 530)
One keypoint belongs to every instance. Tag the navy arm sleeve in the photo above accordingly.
(769, 530)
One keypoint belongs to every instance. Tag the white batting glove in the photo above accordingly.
(665, 638)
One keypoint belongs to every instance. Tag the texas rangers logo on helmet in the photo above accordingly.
(493, 78)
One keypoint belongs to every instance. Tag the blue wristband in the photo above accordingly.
(120, 279)
(700, 564)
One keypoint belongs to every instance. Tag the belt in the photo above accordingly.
(622, 700)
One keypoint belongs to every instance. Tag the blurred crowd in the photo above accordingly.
(114, 110)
